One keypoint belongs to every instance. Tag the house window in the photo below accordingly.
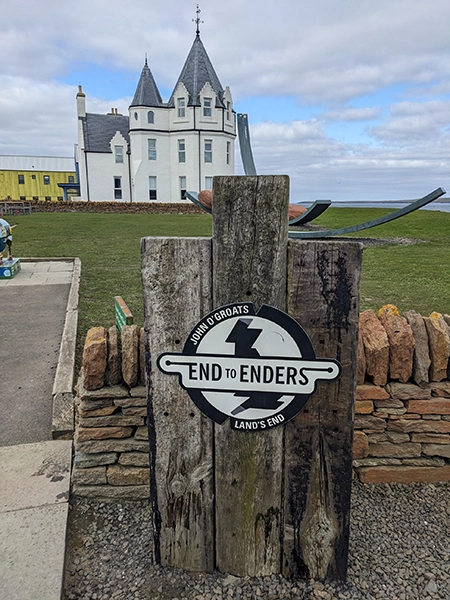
(207, 107)
(208, 151)
(181, 151)
(152, 188)
(136, 116)
(117, 188)
(60, 198)
(183, 188)
(46, 179)
(228, 111)
(181, 103)
(150, 117)
(71, 179)
(228, 152)
(33, 177)
(36, 198)
(48, 198)
(22, 198)
(118, 151)
(208, 183)
(21, 178)
(151, 149)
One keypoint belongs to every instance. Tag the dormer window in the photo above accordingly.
(150, 117)
(207, 107)
(181, 104)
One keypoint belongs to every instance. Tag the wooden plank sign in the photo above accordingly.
(251, 327)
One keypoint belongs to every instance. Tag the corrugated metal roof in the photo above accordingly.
(37, 163)
(98, 131)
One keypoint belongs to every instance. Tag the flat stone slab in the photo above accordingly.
(32, 546)
(41, 273)
(34, 507)
(34, 475)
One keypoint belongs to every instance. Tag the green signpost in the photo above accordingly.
(122, 312)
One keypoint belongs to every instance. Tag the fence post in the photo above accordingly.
(176, 276)
(250, 226)
(323, 295)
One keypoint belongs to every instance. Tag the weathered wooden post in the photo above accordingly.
(323, 295)
(274, 499)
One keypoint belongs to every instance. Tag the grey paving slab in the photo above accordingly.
(33, 475)
(41, 273)
(32, 545)
(60, 267)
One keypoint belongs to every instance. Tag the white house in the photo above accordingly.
(162, 148)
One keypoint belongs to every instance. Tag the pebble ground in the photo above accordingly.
(399, 550)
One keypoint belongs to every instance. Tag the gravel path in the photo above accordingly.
(399, 550)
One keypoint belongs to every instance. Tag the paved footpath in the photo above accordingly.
(34, 469)
(32, 315)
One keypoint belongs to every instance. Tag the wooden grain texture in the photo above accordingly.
(323, 296)
(176, 276)
(250, 219)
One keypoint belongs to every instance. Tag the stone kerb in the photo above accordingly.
(111, 436)
(402, 410)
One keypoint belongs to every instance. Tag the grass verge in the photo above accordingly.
(411, 276)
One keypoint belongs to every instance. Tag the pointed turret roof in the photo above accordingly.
(197, 71)
(147, 93)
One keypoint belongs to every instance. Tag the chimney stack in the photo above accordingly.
(81, 102)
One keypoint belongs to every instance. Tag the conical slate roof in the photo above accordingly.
(147, 93)
(196, 72)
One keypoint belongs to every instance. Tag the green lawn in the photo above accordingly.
(413, 276)
(410, 276)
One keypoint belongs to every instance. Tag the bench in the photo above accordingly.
(15, 208)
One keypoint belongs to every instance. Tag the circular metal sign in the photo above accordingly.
(256, 368)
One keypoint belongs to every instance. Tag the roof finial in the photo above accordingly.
(146, 64)
(198, 21)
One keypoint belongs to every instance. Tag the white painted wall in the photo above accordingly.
(166, 129)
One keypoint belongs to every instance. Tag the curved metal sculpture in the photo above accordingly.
(193, 197)
(319, 206)
(437, 193)
(248, 163)
(316, 209)
(244, 143)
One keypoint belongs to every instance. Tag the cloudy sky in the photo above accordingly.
(350, 98)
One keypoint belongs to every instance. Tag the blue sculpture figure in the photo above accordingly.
(5, 238)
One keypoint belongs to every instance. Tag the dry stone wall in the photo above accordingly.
(111, 439)
(402, 409)
(183, 208)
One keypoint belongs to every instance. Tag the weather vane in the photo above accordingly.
(198, 21)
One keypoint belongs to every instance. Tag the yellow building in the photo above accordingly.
(36, 178)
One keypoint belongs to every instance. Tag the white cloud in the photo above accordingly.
(352, 115)
(36, 118)
(325, 53)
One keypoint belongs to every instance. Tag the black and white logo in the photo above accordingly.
(258, 369)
